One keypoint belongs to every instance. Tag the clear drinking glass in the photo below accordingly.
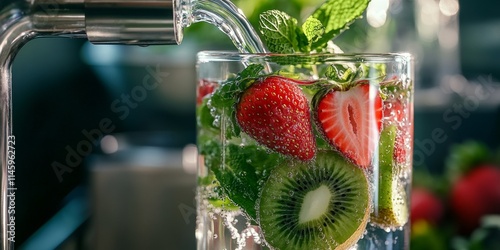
(304, 151)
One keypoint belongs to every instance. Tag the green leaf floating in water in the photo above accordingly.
(242, 172)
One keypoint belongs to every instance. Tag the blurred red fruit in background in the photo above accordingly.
(426, 206)
(475, 194)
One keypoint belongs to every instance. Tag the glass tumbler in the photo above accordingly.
(304, 151)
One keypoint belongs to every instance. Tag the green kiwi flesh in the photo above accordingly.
(324, 204)
(391, 209)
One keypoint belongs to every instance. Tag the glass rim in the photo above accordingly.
(222, 55)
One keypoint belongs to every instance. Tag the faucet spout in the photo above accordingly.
(15, 30)
(140, 22)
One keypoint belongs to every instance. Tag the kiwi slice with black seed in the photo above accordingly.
(391, 206)
(319, 205)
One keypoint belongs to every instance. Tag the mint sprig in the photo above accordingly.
(282, 34)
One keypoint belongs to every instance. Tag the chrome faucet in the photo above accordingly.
(141, 22)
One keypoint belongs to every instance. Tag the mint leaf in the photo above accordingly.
(336, 15)
(242, 172)
(372, 70)
(224, 203)
(279, 31)
(313, 29)
(340, 73)
(204, 117)
(251, 71)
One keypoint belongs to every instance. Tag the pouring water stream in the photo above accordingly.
(230, 20)
(100, 21)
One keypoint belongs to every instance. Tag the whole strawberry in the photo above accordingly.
(426, 206)
(275, 112)
(475, 184)
(475, 194)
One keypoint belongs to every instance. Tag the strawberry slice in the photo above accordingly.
(205, 87)
(394, 113)
(351, 121)
(275, 113)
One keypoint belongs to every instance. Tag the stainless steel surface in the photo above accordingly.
(131, 22)
(14, 34)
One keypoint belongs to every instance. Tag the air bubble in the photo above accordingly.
(216, 121)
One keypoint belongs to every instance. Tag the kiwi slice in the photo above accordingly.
(320, 205)
(391, 209)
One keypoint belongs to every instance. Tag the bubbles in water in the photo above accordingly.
(212, 216)
(216, 121)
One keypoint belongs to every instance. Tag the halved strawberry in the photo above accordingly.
(350, 121)
(275, 113)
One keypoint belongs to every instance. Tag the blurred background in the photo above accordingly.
(105, 134)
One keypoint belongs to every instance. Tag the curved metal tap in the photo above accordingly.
(142, 22)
